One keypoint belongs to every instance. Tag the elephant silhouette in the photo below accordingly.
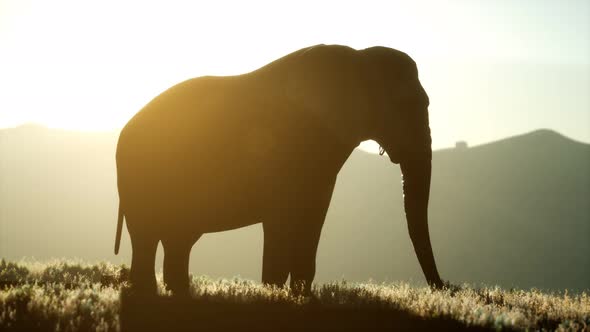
(217, 153)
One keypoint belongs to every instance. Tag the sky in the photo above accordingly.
(492, 68)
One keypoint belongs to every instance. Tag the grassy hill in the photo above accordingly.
(76, 296)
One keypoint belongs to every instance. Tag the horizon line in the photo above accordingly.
(458, 144)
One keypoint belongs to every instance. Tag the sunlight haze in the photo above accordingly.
(492, 69)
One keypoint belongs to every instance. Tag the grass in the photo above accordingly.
(76, 296)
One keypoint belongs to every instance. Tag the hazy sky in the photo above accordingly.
(492, 68)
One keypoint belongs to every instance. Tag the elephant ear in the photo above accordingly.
(324, 81)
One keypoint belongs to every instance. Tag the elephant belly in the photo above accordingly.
(216, 196)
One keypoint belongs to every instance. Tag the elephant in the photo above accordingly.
(216, 153)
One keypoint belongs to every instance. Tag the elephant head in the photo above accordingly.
(374, 94)
(399, 112)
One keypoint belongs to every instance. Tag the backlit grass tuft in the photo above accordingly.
(66, 295)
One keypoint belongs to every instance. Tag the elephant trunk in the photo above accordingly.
(416, 185)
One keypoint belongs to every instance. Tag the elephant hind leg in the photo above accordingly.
(142, 275)
(176, 264)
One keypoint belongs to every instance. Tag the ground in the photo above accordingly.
(76, 296)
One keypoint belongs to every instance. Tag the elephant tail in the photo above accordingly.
(119, 229)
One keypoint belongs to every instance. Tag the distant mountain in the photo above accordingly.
(514, 212)
(524, 204)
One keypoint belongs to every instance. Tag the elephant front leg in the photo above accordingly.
(291, 236)
(275, 259)
(303, 256)
(290, 248)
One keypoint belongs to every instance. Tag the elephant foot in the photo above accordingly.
(437, 284)
(141, 285)
(139, 291)
(179, 291)
(274, 284)
(301, 288)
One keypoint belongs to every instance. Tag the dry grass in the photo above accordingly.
(76, 296)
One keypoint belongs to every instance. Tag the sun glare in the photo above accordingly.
(92, 66)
